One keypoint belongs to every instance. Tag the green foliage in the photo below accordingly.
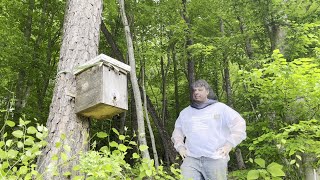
(109, 162)
(20, 149)
(272, 171)
(291, 142)
(288, 91)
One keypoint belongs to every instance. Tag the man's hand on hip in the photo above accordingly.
(183, 152)
(224, 150)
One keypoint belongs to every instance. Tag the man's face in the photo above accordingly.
(200, 94)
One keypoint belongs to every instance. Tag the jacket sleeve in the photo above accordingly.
(178, 135)
(237, 127)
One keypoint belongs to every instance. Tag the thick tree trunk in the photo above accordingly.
(137, 96)
(228, 90)
(189, 42)
(80, 44)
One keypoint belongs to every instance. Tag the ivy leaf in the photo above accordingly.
(31, 130)
(10, 123)
(17, 134)
(12, 153)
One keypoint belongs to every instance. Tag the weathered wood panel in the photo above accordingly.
(101, 92)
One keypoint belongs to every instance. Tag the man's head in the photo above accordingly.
(200, 90)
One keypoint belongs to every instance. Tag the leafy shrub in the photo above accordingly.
(19, 150)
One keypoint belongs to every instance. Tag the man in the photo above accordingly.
(204, 134)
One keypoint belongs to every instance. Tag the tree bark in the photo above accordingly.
(137, 96)
(79, 44)
(189, 42)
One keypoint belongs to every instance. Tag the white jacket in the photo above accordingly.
(206, 130)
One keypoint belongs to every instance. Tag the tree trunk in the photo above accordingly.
(228, 90)
(23, 84)
(154, 149)
(310, 172)
(80, 44)
(248, 47)
(176, 80)
(137, 96)
(111, 42)
(166, 140)
(189, 42)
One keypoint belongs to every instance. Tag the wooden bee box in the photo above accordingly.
(101, 87)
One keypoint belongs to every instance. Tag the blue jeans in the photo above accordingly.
(204, 168)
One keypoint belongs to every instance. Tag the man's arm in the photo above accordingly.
(178, 139)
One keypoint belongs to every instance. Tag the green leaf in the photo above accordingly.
(2, 143)
(23, 170)
(29, 141)
(31, 130)
(143, 147)
(64, 156)
(299, 157)
(253, 174)
(115, 131)
(76, 167)
(102, 135)
(17, 134)
(135, 156)
(67, 173)
(20, 144)
(133, 143)
(58, 144)
(10, 123)
(260, 162)
(122, 137)
(67, 148)
(54, 158)
(149, 172)
(122, 148)
(275, 169)
(113, 144)
(21, 122)
(12, 153)
(292, 161)
(9, 143)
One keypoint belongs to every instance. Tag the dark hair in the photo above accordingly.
(203, 83)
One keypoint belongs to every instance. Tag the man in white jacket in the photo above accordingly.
(204, 134)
